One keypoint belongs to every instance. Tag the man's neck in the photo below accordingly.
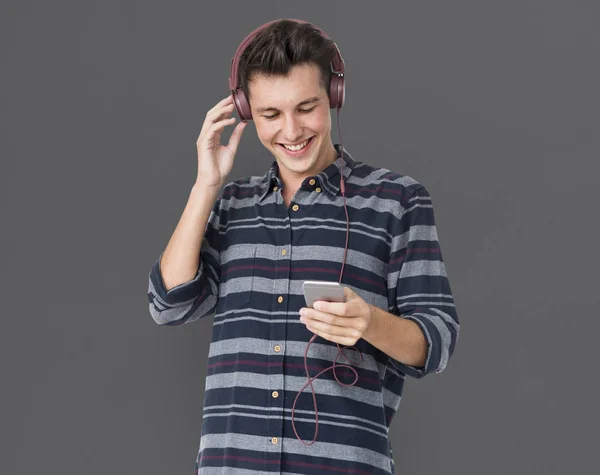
(292, 183)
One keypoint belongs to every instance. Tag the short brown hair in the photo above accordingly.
(283, 44)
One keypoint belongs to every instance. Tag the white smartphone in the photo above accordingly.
(322, 290)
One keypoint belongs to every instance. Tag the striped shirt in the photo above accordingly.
(254, 257)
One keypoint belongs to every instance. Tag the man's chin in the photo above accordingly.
(293, 162)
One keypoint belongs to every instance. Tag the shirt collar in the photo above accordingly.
(329, 177)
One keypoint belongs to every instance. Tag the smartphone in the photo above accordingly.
(322, 290)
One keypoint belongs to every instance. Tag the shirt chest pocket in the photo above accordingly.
(237, 278)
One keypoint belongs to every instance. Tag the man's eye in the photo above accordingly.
(271, 117)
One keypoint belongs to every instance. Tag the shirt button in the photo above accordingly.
(295, 207)
(312, 181)
(280, 299)
(275, 394)
(277, 348)
(274, 440)
(284, 252)
(275, 188)
(318, 190)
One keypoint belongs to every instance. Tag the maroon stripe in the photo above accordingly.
(412, 251)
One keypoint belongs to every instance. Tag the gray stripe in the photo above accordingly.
(284, 286)
(420, 232)
(388, 205)
(353, 229)
(284, 221)
(438, 304)
(296, 411)
(290, 348)
(157, 301)
(410, 296)
(296, 418)
(294, 446)
(447, 318)
(419, 268)
(375, 178)
(391, 399)
(177, 313)
(231, 471)
(300, 253)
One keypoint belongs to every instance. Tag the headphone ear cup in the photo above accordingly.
(242, 105)
(337, 92)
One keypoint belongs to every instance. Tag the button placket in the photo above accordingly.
(276, 396)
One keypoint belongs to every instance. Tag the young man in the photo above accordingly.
(243, 253)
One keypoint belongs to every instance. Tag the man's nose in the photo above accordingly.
(292, 129)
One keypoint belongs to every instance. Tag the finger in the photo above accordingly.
(220, 125)
(215, 127)
(218, 113)
(236, 136)
(349, 293)
(212, 117)
(328, 318)
(221, 103)
(336, 308)
(227, 99)
(321, 327)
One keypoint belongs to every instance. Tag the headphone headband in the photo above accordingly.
(337, 92)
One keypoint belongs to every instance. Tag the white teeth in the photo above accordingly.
(295, 148)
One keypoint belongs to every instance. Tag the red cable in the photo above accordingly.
(340, 350)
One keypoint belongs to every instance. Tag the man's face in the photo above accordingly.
(289, 110)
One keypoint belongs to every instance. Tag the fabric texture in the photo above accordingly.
(254, 257)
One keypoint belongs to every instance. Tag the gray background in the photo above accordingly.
(492, 105)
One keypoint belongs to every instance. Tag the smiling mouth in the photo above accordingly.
(297, 147)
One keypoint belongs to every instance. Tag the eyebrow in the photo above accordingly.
(302, 103)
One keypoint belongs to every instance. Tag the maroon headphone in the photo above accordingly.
(336, 89)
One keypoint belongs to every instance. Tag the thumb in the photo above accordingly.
(349, 293)
(236, 136)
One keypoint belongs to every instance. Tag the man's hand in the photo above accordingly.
(215, 161)
(341, 322)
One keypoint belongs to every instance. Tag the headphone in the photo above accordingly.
(337, 92)
(337, 95)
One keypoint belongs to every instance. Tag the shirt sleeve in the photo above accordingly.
(418, 285)
(196, 298)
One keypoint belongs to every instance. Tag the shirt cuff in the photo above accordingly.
(433, 361)
(178, 295)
